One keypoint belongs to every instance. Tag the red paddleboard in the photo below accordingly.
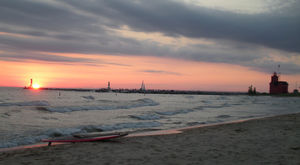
(84, 138)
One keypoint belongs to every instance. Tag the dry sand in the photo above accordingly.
(274, 140)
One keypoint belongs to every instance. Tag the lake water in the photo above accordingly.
(27, 116)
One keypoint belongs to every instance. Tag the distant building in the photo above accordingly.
(276, 86)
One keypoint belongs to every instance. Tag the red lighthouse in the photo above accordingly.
(278, 87)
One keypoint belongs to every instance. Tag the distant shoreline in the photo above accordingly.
(149, 91)
(164, 91)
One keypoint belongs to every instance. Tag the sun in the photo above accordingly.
(35, 86)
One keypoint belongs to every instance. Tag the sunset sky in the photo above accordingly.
(215, 45)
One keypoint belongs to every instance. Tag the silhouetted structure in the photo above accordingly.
(30, 83)
(252, 90)
(143, 87)
(278, 87)
(108, 86)
(296, 91)
(30, 86)
(150, 91)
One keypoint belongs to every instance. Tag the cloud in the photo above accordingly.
(43, 57)
(89, 27)
(160, 72)
(276, 29)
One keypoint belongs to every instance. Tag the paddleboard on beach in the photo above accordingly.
(85, 138)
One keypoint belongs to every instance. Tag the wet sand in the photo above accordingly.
(272, 140)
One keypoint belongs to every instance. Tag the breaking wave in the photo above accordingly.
(60, 132)
(115, 105)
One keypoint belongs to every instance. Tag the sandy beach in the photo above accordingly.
(272, 140)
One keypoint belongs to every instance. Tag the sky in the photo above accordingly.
(216, 45)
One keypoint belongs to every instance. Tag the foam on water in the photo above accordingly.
(35, 137)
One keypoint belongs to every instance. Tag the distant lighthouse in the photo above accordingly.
(30, 86)
(108, 86)
(276, 86)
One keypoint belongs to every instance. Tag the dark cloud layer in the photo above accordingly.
(278, 29)
(77, 26)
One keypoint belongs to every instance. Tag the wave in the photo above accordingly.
(146, 117)
(88, 97)
(171, 113)
(159, 115)
(114, 106)
(27, 103)
(6, 115)
(205, 101)
(195, 123)
(223, 116)
(223, 98)
(199, 108)
(212, 106)
(61, 132)
(189, 97)
(35, 137)
(130, 126)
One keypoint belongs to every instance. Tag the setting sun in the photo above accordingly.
(35, 86)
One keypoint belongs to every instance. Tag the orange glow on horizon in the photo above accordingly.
(35, 86)
(130, 71)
